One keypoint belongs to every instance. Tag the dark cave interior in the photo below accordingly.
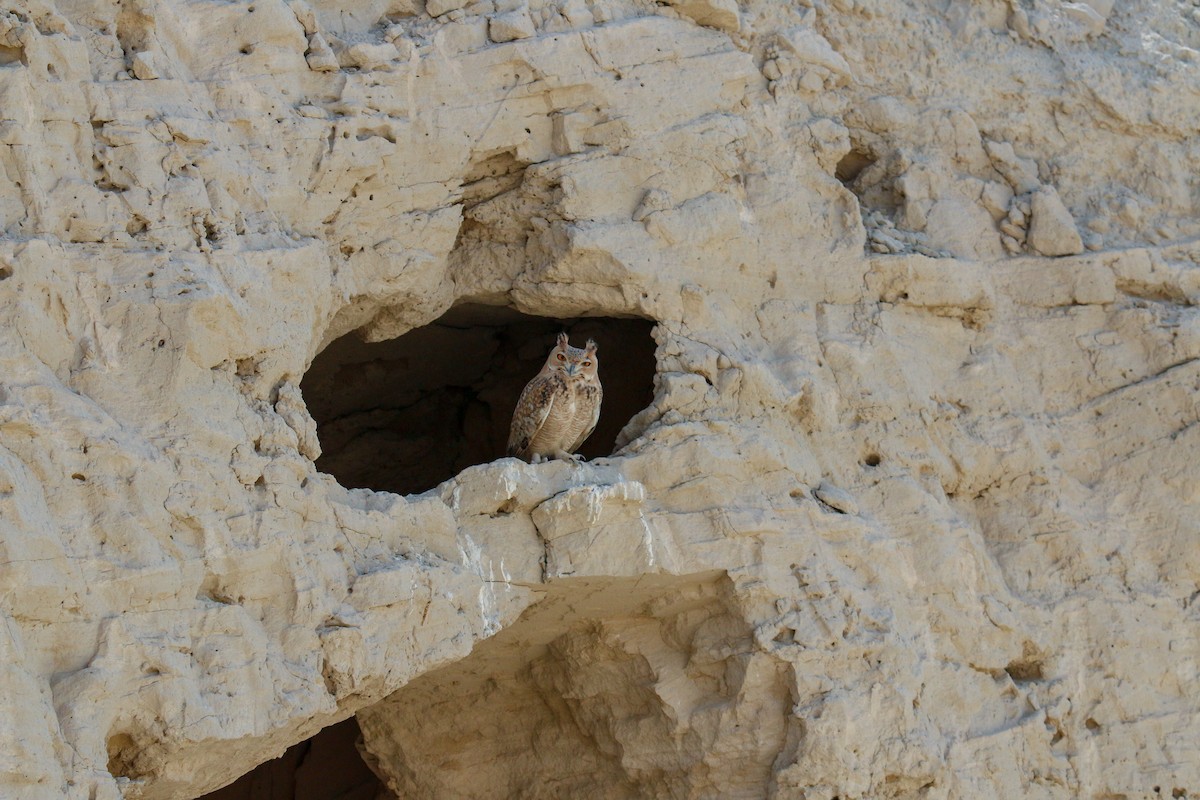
(405, 414)
(326, 766)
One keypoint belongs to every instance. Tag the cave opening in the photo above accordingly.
(326, 766)
(406, 414)
(852, 165)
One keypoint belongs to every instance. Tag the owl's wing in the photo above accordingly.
(595, 401)
(531, 413)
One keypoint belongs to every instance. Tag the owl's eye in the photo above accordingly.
(561, 357)
(587, 363)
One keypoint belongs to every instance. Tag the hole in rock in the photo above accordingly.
(122, 752)
(327, 766)
(405, 414)
(11, 55)
(852, 165)
(1025, 669)
(869, 175)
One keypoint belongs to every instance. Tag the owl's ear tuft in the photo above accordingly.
(591, 346)
(563, 340)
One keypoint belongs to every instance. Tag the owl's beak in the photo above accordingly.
(572, 370)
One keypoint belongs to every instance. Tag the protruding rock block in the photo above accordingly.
(1052, 230)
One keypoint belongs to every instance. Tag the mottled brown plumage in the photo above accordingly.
(558, 408)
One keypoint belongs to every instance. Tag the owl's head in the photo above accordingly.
(574, 363)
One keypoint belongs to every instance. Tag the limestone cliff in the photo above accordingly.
(908, 507)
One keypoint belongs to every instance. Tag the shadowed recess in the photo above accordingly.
(406, 414)
(852, 165)
(326, 766)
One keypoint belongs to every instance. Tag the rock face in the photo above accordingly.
(1052, 232)
(912, 509)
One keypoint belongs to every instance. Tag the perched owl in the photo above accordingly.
(558, 408)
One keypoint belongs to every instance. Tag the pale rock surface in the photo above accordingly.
(912, 512)
(367, 55)
(437, 8)
(144, 66)
(510, 26)
(1052, 231)
(721, 14)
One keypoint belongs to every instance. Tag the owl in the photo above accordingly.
(558, 409)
